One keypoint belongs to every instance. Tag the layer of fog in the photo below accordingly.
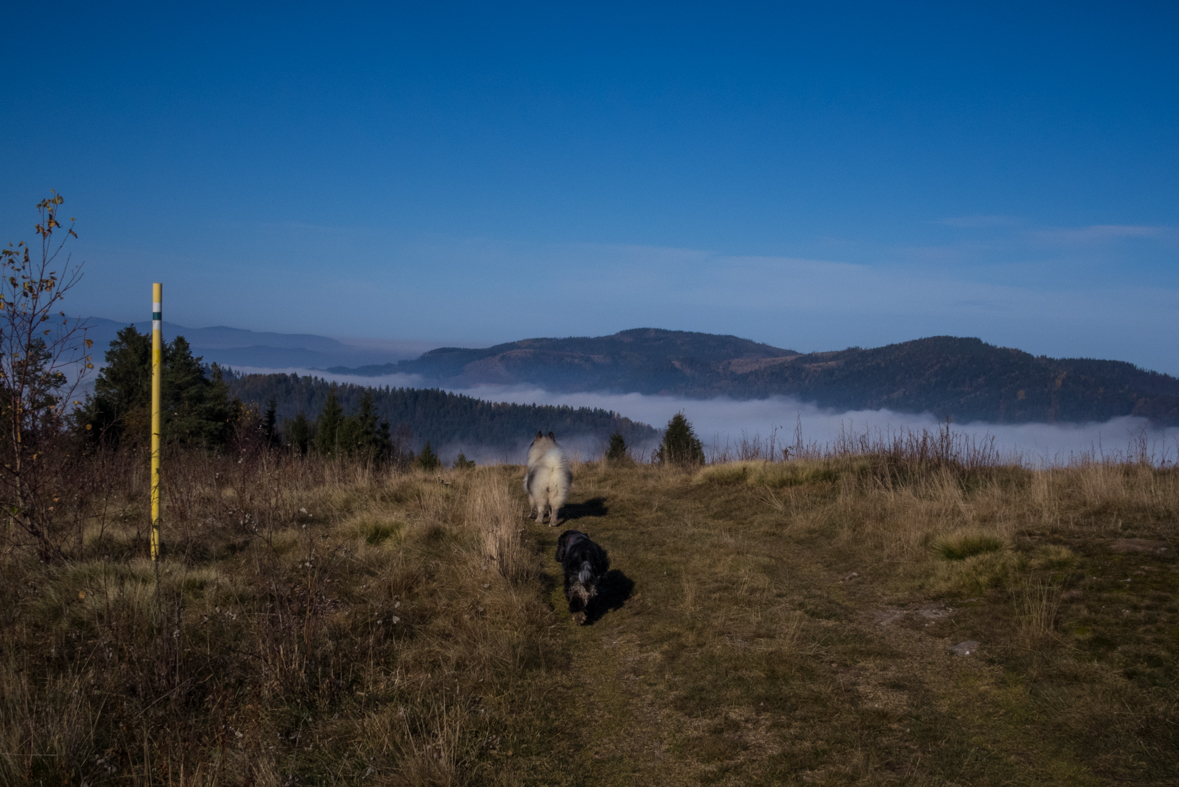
(725, 422)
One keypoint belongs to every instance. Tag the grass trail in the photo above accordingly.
(759, 644)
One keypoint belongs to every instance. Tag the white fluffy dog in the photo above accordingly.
(549, 477)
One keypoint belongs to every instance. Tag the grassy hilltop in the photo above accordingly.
(320, 623)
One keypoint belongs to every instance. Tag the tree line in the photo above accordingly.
(418, 416)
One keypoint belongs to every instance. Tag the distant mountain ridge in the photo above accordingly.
(965, 379)
(240, 347)
(642, 359)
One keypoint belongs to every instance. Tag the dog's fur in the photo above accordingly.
(585, 563)
(548, 478)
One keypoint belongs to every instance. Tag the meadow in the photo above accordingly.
(766, 620)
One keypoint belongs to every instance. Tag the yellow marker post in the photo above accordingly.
(157, 371)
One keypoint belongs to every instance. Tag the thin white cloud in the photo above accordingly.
(981, 222)
(1101, 233)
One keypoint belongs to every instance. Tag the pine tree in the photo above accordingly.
(364, 435)
(327, 425)
(120, 408)
(461, 462)
(368, 430)
(270, 422)
(299, 433)
(616, 452)
(680, 445)
(427, 459)
(195, 403)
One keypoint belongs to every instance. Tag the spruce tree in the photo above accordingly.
(617, 450)
(363, 434)
(327, 425)
(195, 402)
(427, 459)
(270, 422)
(299, 433)
(680, 445)
(368, 429)
(119, 410)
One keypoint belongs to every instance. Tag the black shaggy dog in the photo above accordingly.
(585, 564)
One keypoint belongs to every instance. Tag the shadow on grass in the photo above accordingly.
(593, 507)
(613, 591)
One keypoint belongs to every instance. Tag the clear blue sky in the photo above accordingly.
(811, 176)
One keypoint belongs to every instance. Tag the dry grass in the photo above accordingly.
(492, 511)
(791, 623)
(764, 622)
(1037, 603)
(310, 622)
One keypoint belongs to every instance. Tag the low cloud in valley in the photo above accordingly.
(722, 421)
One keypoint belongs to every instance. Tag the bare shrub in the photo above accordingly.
(44, 356)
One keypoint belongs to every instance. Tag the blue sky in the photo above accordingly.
(811, 176)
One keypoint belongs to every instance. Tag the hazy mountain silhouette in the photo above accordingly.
(239, 347)
(962, 378)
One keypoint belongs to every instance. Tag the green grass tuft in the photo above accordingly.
(965, 545)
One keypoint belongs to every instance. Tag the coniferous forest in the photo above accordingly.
(441, 418)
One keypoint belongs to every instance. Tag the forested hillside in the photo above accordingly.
(970, 380)
(647, 360)
(443, 419)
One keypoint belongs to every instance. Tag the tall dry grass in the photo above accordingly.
(491, 510)
(310, 621)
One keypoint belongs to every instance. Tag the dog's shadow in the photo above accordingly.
(613, 591)
(593, 507)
